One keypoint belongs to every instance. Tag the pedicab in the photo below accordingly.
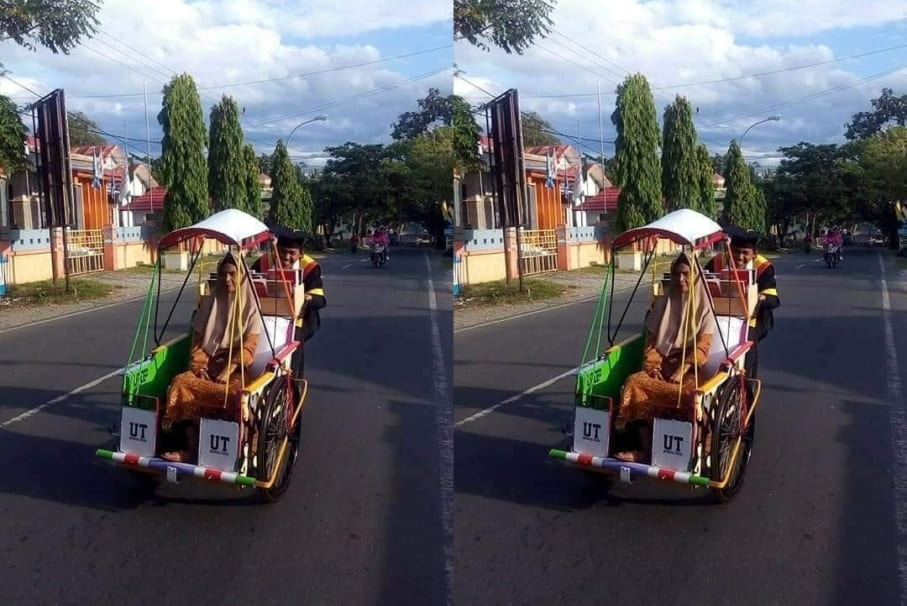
(252, 440)
(706, 439)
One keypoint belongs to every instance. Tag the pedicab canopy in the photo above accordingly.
(682, 226)
(229, 226)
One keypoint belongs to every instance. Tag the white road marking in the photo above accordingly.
(512, 399)
(801, 265)
(898, 419)
(347, 265)
(444, 418)
(59, 399)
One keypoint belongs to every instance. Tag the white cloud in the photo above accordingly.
(679, 43)
(235, 41)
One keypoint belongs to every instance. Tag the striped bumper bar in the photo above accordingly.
(182, 469)
(615, 465)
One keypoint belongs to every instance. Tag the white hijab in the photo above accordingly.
(670, 320)
(225, 319)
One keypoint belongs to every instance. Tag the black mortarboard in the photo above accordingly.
(289, 237)
(743, 237)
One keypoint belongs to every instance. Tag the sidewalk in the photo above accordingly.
(582, 285)
(127, 284)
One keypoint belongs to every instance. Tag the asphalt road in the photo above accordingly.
(360, 524)
(815, 522)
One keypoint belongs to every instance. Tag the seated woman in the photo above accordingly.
(227, 329)
(677, 345)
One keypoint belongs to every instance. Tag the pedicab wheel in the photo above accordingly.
(725, 431)
(272, 429)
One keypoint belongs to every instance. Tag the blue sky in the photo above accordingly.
(689, 41)
(230, 41)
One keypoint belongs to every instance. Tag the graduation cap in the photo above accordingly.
(289, 237)
(743, 237)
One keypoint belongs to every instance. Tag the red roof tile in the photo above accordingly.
(149, 202)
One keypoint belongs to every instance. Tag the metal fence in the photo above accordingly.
(85, 248)
(539, 251)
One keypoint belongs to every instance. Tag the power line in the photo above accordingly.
(369, 93)
(19, 84)
(736, 78)
(280, 78)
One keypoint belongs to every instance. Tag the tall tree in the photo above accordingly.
(58, 25)
(251, 186)
(738, 201)
(227, 167)
(537, 131)
(436, 110)
(12, 137)
(286, 197)
(705, 189)
(638, 173)
(886, 109)
(680, 165)
(184, 169)
(83, 131)
(466, 135)
(883, 162)
(512, 25)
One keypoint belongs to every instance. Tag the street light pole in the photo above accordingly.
(315, 119)
(774, 118)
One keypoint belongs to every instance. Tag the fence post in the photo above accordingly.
(563, 260)
(110, 248)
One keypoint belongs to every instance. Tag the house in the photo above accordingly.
(147, 207)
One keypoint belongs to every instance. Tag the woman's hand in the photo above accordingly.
(654, 371)
(677, 377)
(225, 374)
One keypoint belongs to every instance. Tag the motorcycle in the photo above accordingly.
(832, 254)
(379, 255)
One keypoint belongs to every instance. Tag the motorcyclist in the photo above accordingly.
(834, 236)
(380, 237)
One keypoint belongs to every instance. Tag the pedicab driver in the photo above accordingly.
(291, 248)
(744, 247)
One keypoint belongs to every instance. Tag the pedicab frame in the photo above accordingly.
(271, 395)
(719, 411)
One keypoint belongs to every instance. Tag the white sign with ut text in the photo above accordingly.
(592, 431)
(672, 444)
(218, 444)
(138, 431)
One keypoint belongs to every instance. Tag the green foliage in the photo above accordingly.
(184, 168)
(251, 186)
(511, 25)
(680, 164)
(638, 170)
(537, 131)
(227, 166)
(705, 189)
(287, 208)
(12, 137)
(58, 25)
(436, 110)
(738, 201)
(886, 109)
(83, 131)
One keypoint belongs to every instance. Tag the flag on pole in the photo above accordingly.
(549, 166)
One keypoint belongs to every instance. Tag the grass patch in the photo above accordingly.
(446, 263)
(496, 293)
(46, 293)
(900, 262)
